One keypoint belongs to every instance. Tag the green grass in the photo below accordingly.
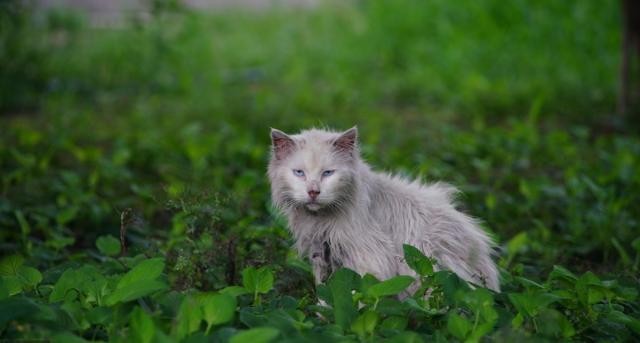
(161, 129)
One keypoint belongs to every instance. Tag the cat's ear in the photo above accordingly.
(282, 144)
(347, 141)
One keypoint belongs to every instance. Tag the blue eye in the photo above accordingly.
(327, 173)
(298, 172)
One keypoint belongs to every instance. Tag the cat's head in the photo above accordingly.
(314, 169)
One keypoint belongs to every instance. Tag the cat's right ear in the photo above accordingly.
(282, 144)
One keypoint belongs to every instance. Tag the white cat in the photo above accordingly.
(343, 214)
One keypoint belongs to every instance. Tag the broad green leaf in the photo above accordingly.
(553, 323)
(458, 326)
(141, 326)
(395, 323)
(340, 284)
(515, 245)
(417, 260)
(625, 319)
(217, 308)
(24, 224)
(367, 281)
(517, 321)
(391, 286)
(16, 276)
(189, 317)
(562, 274)
(139, 282)
(365, 323)
(257, 280)
(588, 288)
(12, 284)
(108, 245)
(65, 284)
(255, 335)
(529, 304)
(86, 280)
(135, 290)
(9, 265)
(234, 291)
(146, 270)
(100, 315)
(29, 276)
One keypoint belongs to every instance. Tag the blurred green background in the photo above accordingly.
(168, 114)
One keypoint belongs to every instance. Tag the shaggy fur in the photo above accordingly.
(343, 214)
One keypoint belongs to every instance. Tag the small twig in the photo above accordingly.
(125, 220)
(231, 262)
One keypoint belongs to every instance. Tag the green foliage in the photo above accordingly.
(108, 245)
(257, 281)
(157, 131)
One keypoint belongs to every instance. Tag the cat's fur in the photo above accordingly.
(360, 218)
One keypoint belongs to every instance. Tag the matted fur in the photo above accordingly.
(361, 218)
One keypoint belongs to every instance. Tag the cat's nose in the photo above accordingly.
(313, 194)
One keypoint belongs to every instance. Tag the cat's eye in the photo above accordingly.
(298, 172)
(327, 173)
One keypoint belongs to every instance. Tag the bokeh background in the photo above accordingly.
(154, 116)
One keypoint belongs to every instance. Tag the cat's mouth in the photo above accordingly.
(313, 206)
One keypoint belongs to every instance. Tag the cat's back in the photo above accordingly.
(410, 195)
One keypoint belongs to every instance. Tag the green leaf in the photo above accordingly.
(340, 284)
(139, 282)
(417, 260)
(135, 290)
(86, 280)
(458, 326)
(217, 308)
(146, 270)
(257, 280)
(255, 335)
(108, 245)
(16, 276)
(11, 284)
(625, 319)
(636, 245)
(367, 281)
(395, 323)
(9, 265)
(234, 291)
(24, 224)
(29, 277)
(189, 317)
(515, 245)
(553, 323)
(391, 286)
(141, 326)
(529, 304)
(65, 284)
(588, 288)
(365, 323)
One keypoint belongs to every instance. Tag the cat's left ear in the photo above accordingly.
(347, 141)
(283, 145)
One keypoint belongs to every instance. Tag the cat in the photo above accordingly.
(343, 214)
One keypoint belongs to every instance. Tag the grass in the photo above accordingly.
(167, 120)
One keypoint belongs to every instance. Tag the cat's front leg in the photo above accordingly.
(320, 256)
